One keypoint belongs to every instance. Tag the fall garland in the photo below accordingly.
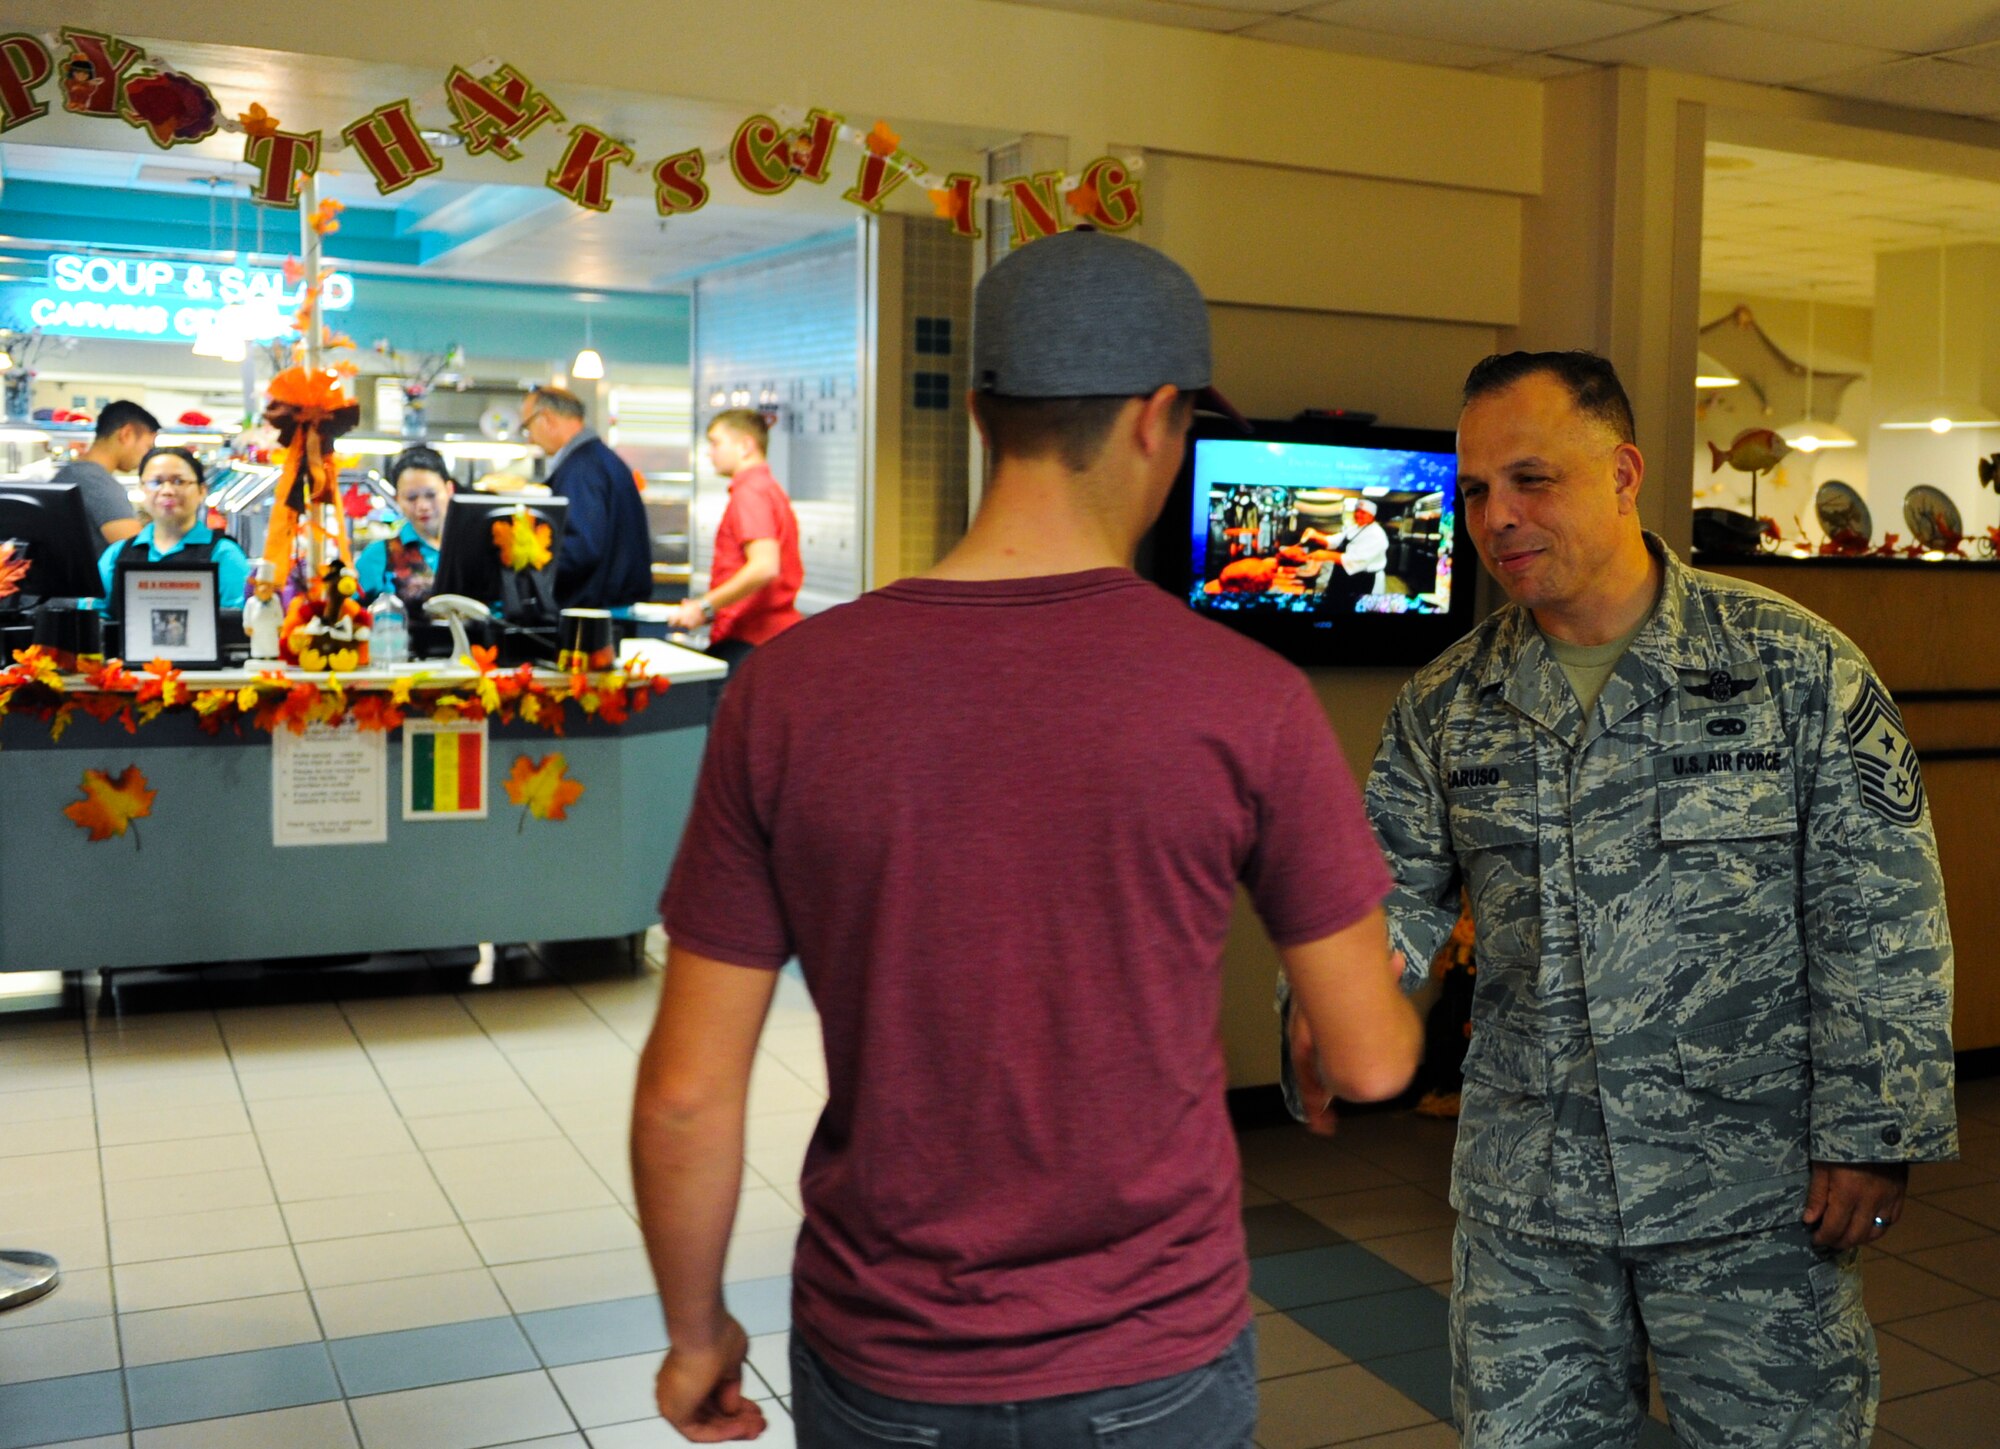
(274, 700)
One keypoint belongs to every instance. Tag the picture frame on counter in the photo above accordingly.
(170, 611)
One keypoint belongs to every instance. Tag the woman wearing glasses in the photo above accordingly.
(176, 488)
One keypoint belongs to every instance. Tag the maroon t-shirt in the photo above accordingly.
(1001, 826)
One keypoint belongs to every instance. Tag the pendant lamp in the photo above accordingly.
(588, 364)
(1942, 414)
(1807, 435)
(1708, 373)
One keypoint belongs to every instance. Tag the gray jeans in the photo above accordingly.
(1211, 1407)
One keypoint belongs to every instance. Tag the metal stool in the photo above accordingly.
(25, 1276)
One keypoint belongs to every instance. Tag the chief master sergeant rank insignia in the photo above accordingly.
(1883, 756)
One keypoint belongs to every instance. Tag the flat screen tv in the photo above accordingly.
(1332, 543)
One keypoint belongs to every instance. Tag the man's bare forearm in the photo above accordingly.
(687, 1169)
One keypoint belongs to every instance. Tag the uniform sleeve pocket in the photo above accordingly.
(1711, 807)
(1507, 1060)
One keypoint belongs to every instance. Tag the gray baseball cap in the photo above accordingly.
(1087, 314)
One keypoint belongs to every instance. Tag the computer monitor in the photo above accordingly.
(470, 563)
(1332, 543)
(62, 547)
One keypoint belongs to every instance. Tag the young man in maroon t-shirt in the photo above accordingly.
(754, 579)
(999, 813)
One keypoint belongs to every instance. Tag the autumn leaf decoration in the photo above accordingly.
(542, 788)
(523, 541)
(13, 568)
(109, 806)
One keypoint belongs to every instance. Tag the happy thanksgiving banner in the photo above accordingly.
(495, 107)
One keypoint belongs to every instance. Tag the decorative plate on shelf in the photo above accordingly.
(1933, 517)
(1842, 512)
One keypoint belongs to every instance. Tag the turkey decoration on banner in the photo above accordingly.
(495, 107)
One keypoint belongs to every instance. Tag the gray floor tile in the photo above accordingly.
(45, 1411)
(1423, 1376)
(229, 1384)
(416, 1358)
(1322, 1275)
(1282, 1228)
(597, 1330)
(1379, 1324)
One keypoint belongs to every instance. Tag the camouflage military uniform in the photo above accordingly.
(1712, 948)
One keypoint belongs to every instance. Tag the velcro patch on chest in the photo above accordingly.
(1885, 762)
(1712, 688)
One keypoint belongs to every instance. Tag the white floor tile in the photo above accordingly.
(115, 1097)
(348, 1077)
(82, 1293)
(475, 1129)
(176, 1158)
(48, 1076)
(399, 1303)
(554, 1235)
(184, 1235)
(535, 1192)
(454, 1098)
(210, 1278)
(302, 1180)
(311, 1426)
(609, 1391)
(771, 1356)
(483, 1063)
(365, 1213)
(55, 1350)
(41, 1172)
(464, 1416)
(52, 1102)
(75, 1242)
(220, 1119)
(190, 1192)
(761, 1209)
(238, 1325)
(381, 1256)
(765, 1254)
(320, 1114)
(584, 1278)
(321, 1144)
(47, 1134)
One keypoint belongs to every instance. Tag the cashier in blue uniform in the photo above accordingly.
(406, 565)
(176, 489)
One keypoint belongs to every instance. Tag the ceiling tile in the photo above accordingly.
(1222, 15)
(1915, 26)
(1347, 39)
(1711, 47)
(1932, 85)
(1541, 67)
(1522, 25)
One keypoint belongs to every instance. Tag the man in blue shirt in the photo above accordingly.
(406, 565)
(176, 488)
(605, 559)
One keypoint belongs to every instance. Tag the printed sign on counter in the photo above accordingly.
(444, 769)
(329, 786)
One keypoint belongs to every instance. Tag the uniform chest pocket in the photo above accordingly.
(1713, 807)
(1496, 835)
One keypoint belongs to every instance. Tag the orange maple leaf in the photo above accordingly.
(258, 123)
(484, 656)
(1086, 203)
(12, 569)
(881, 141)
(542, 788)
(944, 203)
(109, 806)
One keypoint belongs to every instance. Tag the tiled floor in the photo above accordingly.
(405, 1220)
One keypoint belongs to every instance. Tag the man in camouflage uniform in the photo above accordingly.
(1711, 1026)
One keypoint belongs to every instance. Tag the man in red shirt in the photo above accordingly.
(754, 579)
(999, 813)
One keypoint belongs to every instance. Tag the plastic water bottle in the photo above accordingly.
(389, 641)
